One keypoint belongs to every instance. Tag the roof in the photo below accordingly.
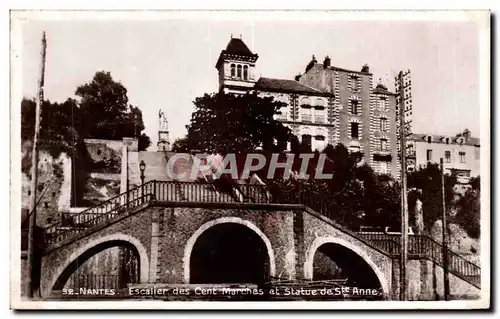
(238, 47)
(473, 141)
(284, 85)
(382, 89)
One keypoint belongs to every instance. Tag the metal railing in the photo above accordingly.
(73, 224)
(426, 247)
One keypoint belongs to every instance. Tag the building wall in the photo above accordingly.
(310, 121)
(339, 82)
(472, 159)
(390, 135)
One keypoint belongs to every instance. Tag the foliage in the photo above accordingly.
(103, 113)
(180, 145)
(355, 195)
(235, 124)
(428, 180)
(469, 209)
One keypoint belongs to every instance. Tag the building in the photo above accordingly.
(325, 105)
(366, 114)
(460, 153)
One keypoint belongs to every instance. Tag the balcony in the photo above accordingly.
(306, 118)
(319, 119)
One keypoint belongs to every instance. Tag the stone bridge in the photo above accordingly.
(181, 238)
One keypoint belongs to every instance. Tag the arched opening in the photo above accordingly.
(233, 70)
(108, 265)
(229, 253)
(245, 72)
(238, 70)
(334, 261)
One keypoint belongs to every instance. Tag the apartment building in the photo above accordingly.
(460, 153)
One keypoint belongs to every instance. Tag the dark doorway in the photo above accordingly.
(229, 253)
(334, 261)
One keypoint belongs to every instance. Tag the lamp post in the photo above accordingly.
(142, 167)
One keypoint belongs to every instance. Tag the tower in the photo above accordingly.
(163, 136)
(236, 66)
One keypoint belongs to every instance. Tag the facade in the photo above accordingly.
(325, 105)
(460, 153)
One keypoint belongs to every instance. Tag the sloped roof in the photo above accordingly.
(474, 141)
(284, 85)
(237, 46)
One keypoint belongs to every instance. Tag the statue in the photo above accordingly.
(162, 121)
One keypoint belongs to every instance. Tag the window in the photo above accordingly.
(355, 130)
(429, 155)
(233, 70)
(238, 68)
(383, 124)
(306, 115)
(462, 157)
(384, 167)
(429, 139)
(447, 140)
(354, 107)
(447, 156)
(382, 103)
(306, 140)
(383, 144)
(245, 72)
(354, 83)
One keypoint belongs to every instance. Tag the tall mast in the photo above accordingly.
(34, 169)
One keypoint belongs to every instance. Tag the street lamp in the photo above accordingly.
(142, 167)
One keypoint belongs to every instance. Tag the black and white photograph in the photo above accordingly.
(250, 159)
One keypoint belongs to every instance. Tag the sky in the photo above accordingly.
(167, 63)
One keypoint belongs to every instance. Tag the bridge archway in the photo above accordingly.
(228, 249)
(84, 253)
(350, 259)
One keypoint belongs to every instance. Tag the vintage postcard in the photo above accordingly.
(250, 160)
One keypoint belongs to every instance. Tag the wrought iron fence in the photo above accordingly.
(74, 223)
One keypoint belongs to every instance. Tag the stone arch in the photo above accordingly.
(118, 237)
(319, 241)
(237, 220)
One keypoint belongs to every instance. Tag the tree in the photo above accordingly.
(226, 123)
(428, 180)
(105, 112)
(180, 145)
(469, 209)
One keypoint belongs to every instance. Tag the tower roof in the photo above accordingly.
(237, 49)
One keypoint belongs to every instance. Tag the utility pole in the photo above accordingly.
(446, 276)
(34, 172)
(403, 85)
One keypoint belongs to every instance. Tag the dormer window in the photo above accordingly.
(447, 140)
(233, 70)
(429, 139)
(245, 72)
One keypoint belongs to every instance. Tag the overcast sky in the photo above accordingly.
(166, 64)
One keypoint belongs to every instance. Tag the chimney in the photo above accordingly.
(365, 68)
(297, 77)
(327, 62)
(466, 134)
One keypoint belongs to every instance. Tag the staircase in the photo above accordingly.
(202, 192)
(422, 246)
